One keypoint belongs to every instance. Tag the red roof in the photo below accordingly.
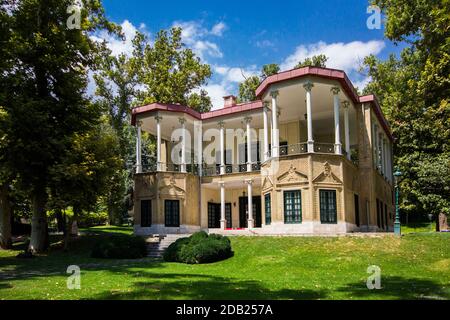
(327, 73)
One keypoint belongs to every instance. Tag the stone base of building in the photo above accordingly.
(162, 229)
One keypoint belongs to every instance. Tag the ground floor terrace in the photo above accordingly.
(299, 194)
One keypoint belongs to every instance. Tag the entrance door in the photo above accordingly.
(243, 211)
(357, 210)
(214, 215)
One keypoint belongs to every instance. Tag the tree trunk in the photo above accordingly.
(61, 223)
(39, 241)
(5, 218)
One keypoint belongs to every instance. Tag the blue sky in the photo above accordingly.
(238, 37)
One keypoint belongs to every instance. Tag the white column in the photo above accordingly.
(275, 133)
(223, 221)
(199, 148)
(250, 222)
(138, 148)
(345, 104)
(158, 143)
(266, 132)
(308, 86)
(337, 129)
(222, 147)
(247, 121)
(183, 144)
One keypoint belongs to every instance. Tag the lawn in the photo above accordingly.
(414, 267)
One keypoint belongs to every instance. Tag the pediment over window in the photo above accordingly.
(327, 176)
(171, 188)
(292, 175)
(267, 183)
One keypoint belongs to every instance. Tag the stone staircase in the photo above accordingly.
(157, 244)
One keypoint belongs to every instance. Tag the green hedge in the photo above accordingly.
(120, 247)
(199, 248)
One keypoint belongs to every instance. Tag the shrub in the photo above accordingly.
(120, 247)
(199, 248)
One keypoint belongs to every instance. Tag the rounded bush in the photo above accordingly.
(120, 247)
(199, 248)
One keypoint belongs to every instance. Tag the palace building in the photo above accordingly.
(309, 156)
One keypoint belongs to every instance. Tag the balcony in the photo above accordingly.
(210, 171)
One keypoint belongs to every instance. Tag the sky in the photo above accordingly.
(238, 37)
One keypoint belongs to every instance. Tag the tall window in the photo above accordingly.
(357, 210)
(292, 206)
(213, 215)
(228, 216)
(378, 214)
(268, 208)
(328, 208)
(172, 213)
(146, 213)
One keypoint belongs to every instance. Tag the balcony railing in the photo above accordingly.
(297, 148)
(285, 150)
(324, 147)
(214, 170)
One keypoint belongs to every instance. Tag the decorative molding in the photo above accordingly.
(308, 86)
(335, 90)
(274, 93)
(327, 176)
(267, 183)
(158, 118)
(171, 188)
(345, 104)
(292, 175)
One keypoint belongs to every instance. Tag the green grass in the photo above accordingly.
(414, 227)
(414, 267)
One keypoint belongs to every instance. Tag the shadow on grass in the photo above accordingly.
(108, 230)
(394, 287)
(195, 286)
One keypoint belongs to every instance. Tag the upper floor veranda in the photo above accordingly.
(297, 112)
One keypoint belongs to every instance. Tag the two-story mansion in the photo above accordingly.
(309, 156)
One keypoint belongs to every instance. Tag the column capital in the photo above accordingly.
(158, 118)
(139, 123)
(248, 181)
(335, 90)
(221, 183)
(247, 120)
(274, 93)
(221, 124)
(266, 105)
(345, 104)
(182, 120)
(308, 86)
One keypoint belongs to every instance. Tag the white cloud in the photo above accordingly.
(344, 56)
(116, 45)
(235, 74)
(197, 37)
(218, 29)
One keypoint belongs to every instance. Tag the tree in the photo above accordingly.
(116, 90)
(247, 89)
(170, 72)
(414, 92)
(269, 69)
(315, 61)
(84, 174)
(43, 91)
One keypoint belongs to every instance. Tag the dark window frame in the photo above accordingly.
(268, 209)
(292, 202)
(147, 221)
(328, 206)
(171, 218)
